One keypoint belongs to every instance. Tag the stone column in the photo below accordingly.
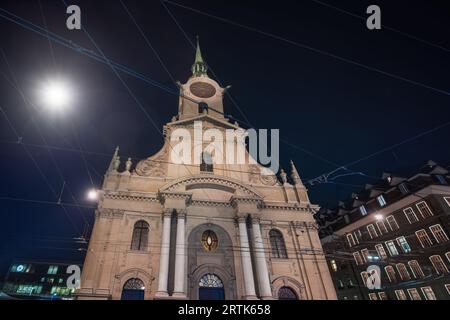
(265, 290)
(164, 256)
(180, 256)
(249, 283)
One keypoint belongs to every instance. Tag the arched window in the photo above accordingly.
(210, 281)
(277, 244)
(140, 236)
(286, 293)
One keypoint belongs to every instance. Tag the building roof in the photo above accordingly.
(347, 211)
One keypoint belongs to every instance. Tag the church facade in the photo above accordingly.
(209, 231)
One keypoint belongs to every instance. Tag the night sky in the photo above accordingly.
(337, 91)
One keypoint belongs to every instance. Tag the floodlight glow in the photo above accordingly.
(379, 217)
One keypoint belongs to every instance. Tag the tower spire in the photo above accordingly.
(294, 174)
(113, 164)
(199, 67)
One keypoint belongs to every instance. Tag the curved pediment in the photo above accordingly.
(221, 183)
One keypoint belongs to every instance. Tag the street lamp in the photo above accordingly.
(379, 217)
(92, 195)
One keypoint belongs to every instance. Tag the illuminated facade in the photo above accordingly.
(207, 231)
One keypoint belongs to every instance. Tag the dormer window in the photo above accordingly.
(363, 210)
(381, 201)
(403, 188)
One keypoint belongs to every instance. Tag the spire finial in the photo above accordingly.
(199, 67)
(294, 174)
(283, 176)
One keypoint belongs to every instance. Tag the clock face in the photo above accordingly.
(202, 89)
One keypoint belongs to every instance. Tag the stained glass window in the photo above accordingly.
(210, 281)
(209, 240)
(140, 236)
(286, 293)
(134, 284)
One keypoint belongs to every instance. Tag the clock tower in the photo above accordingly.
(200, 92)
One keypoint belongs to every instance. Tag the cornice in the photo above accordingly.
(130, 196)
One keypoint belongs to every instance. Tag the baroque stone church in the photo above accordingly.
(210, 231)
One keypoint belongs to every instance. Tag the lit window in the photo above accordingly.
(381, 252)
(390, 272)
(350, 240)
(364, 277)
(358, 258)
(401, 295)
(428, 293)
(402, 271)
(373, 296)
(363, 210)
(392, 223)
(19, 268)
(424, 209)
(438, 233)
(403, 188)
(381, 227)
(447, 199)
(403, 244)
(210, 242)
(424, 239)
(416, 269)
(390, 245)
(52, 270)
(372, 232)
(357, 236)
(365, 254)
(438, 264)
(414, 294)
(441, 179)
(340, 284)
(383, 295)
(381, 200)
(410, 215)
(334, 266)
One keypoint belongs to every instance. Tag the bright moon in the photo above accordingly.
(56, 94)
